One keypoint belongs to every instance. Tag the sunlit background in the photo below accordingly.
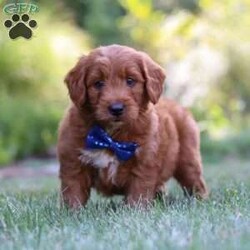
(203, 45)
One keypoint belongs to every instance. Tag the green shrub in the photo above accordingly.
(33, 97)
(26, 127)
(232, 146)
(100, 19)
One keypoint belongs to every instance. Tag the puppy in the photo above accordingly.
(118, 138)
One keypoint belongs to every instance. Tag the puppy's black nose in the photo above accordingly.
(116, 109)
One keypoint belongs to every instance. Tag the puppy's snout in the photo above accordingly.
(116, 109)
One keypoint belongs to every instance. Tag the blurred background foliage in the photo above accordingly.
(204, 46)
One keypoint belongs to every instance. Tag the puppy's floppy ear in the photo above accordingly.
(155, 76)
(75, 82)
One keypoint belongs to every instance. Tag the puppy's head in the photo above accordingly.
(117, 82)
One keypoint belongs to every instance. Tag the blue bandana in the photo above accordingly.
(97, 138)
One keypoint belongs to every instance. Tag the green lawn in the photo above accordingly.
(30, 217)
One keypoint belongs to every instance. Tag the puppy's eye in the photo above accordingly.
(130, 82)
(99, 84)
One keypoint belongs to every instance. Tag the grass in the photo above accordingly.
(30, 217)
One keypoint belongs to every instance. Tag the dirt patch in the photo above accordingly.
(30, 168)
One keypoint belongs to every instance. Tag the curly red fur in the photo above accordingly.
(167, 135)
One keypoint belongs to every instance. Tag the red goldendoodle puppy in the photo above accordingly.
(118, 137)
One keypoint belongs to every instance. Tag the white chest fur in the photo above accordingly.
(100, 159)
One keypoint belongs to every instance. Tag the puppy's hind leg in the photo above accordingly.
(189, 166)
(189, 176)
